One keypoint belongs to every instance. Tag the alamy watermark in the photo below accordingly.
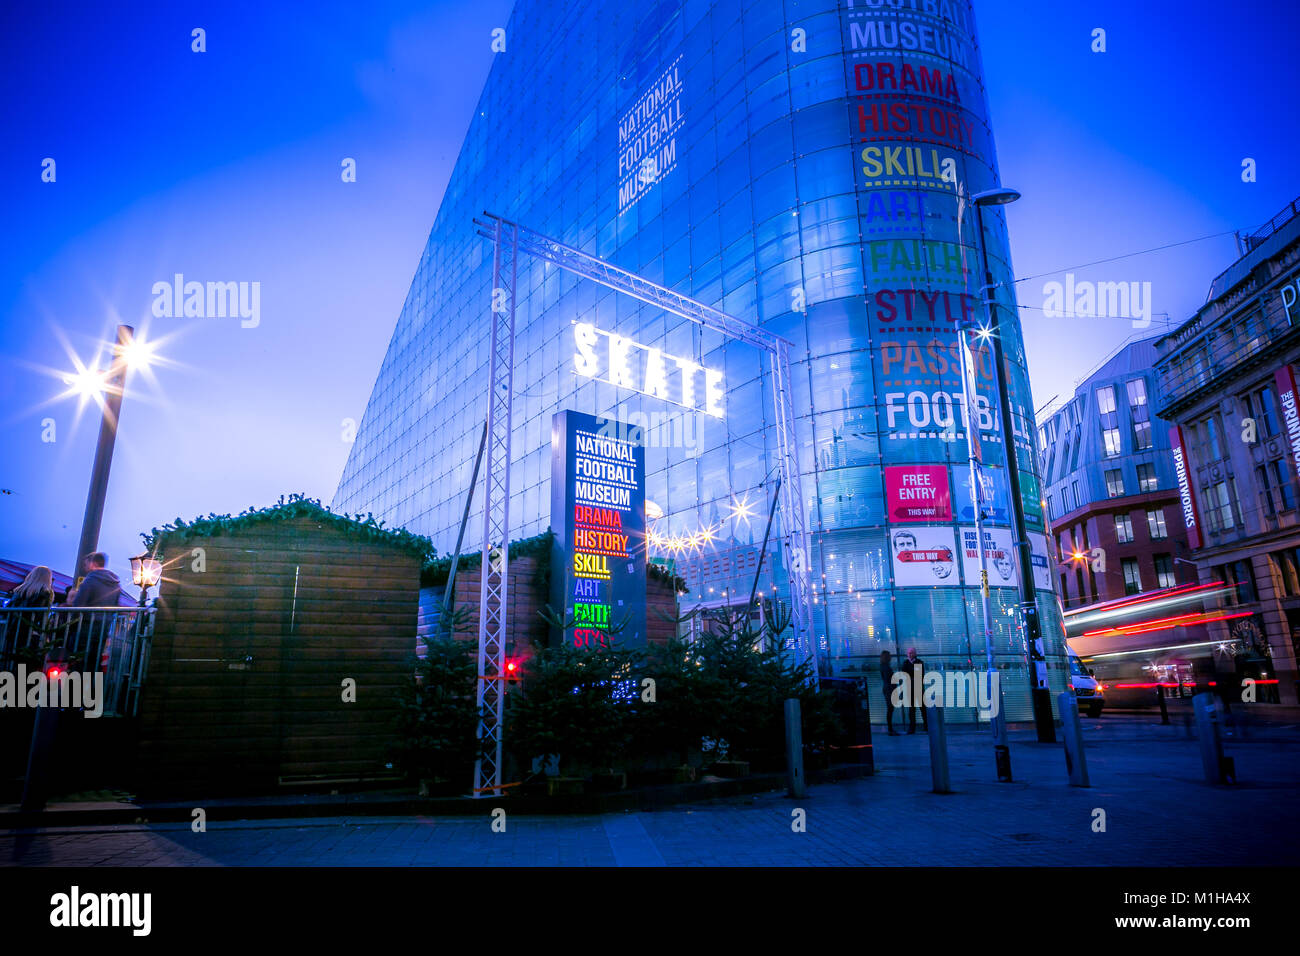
(928, 688)
(208, 300)
(66, 689)
(655, 430)
(1083, 299)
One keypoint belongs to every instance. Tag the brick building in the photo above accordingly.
(1227, 385)
(1109, 486)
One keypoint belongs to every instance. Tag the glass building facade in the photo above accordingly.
(795, 164)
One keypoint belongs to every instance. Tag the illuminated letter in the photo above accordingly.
(584, 340)
(656, 383)
(713, 390)
(689, 369)
(619, 372)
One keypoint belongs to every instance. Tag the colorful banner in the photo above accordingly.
(918, 493)
(1042, 560)
(1286, 396)
(1031, 498)
(923, 557)
(994, 481)
(1186, 497)
(598, 559)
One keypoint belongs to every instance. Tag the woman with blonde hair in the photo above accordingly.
(37, 589)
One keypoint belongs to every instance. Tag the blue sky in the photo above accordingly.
(226, 165)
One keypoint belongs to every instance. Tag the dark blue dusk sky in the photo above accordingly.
(225, 166)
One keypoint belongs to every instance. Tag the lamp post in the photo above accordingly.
(1037, 662)
(1001, 748)
(114, 386)
(146, 572)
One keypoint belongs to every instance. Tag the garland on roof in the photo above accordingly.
(363, 527)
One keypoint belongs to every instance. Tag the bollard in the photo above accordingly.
(998, 724)
(1164, 707)
(40, 758)
(1076, 764)
(1217, 767)
(938, 734)
(794, 749)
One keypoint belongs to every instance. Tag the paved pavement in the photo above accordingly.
(1146, 778)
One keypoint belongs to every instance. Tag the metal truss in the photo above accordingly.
(512, 240)
(494, 572)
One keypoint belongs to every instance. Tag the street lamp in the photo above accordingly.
(1001, 748)
(146, 572)
(128, 354)
(1040, 695)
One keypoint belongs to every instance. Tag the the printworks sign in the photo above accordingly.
(598, 515)
(1286, 396)
(1186, 497)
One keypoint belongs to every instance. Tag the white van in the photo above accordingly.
(1088, 691)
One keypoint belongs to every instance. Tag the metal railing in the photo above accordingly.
(112, 640)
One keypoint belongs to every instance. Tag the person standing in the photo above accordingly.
(100, 587)
(914, 668)
(36, 591)
(887, 685)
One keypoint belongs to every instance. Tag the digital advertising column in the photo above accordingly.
(598, 566)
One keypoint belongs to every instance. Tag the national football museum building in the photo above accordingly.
(809, 168)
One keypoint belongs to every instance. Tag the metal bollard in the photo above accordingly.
(1217, 767)
(938, 735)
(794, 749)
(1076, 764)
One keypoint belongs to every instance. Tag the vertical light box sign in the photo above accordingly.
(647, 137)
(598, 561)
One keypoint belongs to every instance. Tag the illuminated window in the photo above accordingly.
(1106, 400)
(1147, 480)
(1141, 436)
(1115, 483)
(1156, 525)
(1124, 529)
(1110, 437)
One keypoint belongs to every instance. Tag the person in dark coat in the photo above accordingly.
(914, 668)
(100, 587)
(36, 591)
(887, 683)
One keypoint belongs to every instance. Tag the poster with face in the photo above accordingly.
(1042, 562)
(923, 557)
(999, 553)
